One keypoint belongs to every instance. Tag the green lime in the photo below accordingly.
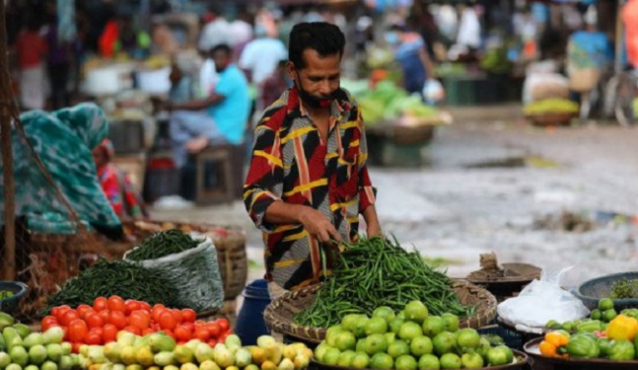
(429, 362)
(416, 311)
(420, 346)
(395, 324)
(609, 315)
(345, 358)
(385, 313)
(451, 322)
(450, 361)
(398, 348)
(405, 362)
(472, 361)
(376, 343)
(444, 343)
(345, 340)
(467, 339)
(376, 325)
(360, 327)
(331, 356)
(433, 325)
(605, 304)
(360, 360)
(349, 322)
(381, 361)
(410, 330)
(595, 315)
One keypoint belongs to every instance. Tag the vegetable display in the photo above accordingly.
(409, 340)
(386, 275)
(624, 289)
(117, 278)
(22, 349)
(163, 244)
(387, 101)
(616, 339)
(157, 351)
(6, 294)
(101, 322)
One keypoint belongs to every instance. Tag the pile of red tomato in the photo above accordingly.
(100, 324)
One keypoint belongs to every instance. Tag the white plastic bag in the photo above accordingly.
(541, 301)
(433, 91)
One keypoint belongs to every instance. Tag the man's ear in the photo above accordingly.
(291, 70)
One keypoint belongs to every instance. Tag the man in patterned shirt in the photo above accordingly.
(308, 181)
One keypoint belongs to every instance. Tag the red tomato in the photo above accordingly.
(139, 320)
(223, 324)
(97, 330)
(100, 304)
(212, 343)
(177, 314)
(202, 334)
(65, 329)
(54, 311)
(116, 303)
(145, 306)
(88, 313)
(157, 310)
(147, 331)
(49, 322)
(214, 329)
(182, 333)
(167, 321)
(94, 321)
(69, 316)
(189, 315)
(131, 306)
(105, 315)
(62, 310)
(118, 319)
(190, 326)
(82, 309)
(109, 333)
(200, 323)
(77, 331)
(75, 347)
(93, 337)
(133, 329)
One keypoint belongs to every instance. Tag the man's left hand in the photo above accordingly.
(197, 145)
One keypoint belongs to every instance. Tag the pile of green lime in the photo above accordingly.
(597, 320)
(409, 340)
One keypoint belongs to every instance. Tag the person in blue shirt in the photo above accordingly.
(411, 53)
(220, 118)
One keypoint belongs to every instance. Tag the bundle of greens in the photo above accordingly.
(162, 244)
(377, 272)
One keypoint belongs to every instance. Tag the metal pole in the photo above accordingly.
(8, 271)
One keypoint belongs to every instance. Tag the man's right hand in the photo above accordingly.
(318, 225)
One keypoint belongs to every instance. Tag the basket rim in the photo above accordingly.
(286, 326)
(506, 279)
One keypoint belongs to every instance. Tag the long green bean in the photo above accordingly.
(162, 244)
(378, 272)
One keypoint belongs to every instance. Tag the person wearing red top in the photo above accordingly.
(308, 182)
(31, 49)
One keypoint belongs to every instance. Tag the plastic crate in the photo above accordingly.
(385, 152)
(512, 338)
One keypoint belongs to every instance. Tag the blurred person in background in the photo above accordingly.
(411, 53)
(116, 184)
(630, 19)
(60, 57)
(31, 49)
(216, 30)
(275, 85)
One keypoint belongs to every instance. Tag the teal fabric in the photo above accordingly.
(64, 140)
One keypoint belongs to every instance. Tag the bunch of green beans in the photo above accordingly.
(105, 279)
(378, 272)
(163, 244)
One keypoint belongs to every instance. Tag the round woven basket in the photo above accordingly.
(279, 315)
(419, 133)
(551, 119)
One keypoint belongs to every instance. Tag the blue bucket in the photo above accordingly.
(250, 321)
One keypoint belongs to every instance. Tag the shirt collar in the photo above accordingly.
(339, 105)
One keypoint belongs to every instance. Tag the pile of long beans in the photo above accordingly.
(105, 279)
(162, 244)
(378, 272)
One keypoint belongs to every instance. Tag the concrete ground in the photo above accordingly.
(496, 184)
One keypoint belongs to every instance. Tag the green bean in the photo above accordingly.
(163, 244)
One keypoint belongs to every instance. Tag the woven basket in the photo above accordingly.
(404, 135)
(280, 313)
(229, 242)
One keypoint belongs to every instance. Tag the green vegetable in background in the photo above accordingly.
(583, 346)
(163, 244)
(621, 350)
(589, 327)
(551, 106)
(605, 345)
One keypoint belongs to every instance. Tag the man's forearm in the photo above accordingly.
(370, 215)
(282, 213)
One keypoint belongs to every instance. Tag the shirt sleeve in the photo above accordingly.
(265, 175)
(246, 58)
(367, 193)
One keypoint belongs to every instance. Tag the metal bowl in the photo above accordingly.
(19, 290)
(591, 291)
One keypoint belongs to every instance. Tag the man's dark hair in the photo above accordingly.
(325, 38)
(221, 47)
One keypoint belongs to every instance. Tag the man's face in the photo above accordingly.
(321, 75)
(221, 59)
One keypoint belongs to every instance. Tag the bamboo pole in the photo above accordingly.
(6, 101)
